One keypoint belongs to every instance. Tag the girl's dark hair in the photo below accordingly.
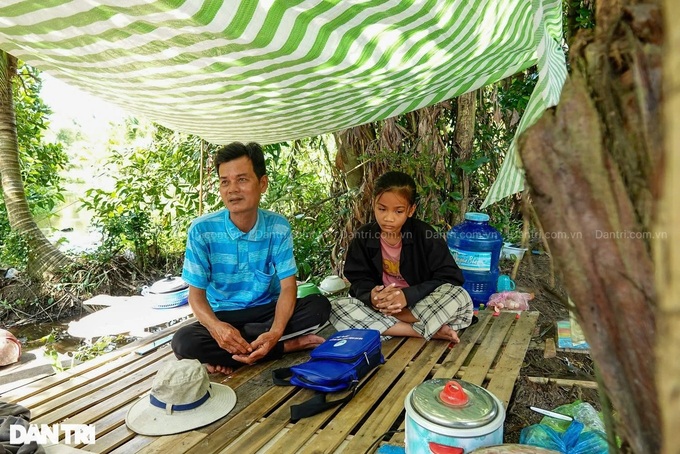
(397, 182)
(236, 150)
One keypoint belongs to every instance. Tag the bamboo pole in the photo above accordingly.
(666, 243)
(200, 180)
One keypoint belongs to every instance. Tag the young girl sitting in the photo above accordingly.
(404, 281)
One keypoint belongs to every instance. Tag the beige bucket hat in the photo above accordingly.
(181, 398)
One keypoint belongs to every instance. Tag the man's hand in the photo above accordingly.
(388, 300)
(260, 347)
(229, 338)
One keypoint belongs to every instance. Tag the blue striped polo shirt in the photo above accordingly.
(237, 269)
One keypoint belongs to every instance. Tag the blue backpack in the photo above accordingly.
(335, 365)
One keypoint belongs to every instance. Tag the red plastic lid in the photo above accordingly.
(453, 394)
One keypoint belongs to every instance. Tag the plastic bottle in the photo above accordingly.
(586, 414)
(476, 247)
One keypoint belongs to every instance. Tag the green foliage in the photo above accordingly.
(14, 251)
(68, 136)
(51, 352)
(300, 178)
(509, 226)
(498, 113)
(434, 195)
(155, 195)
(578, 14)
(101, 346)
(41, 163)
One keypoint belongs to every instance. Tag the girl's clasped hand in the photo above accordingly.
(388, 299)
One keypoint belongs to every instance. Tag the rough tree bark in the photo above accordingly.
(591, 164)
(352, 143)
(44, 259)
(462, 148)
(667, 244)
(433, 154)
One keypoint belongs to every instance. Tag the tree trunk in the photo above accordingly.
(667, 244)
(351, 144)
(590, 164)
(44, 259)
(462, 148)
(355, 175)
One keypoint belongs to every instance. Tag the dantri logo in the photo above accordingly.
(49, 434)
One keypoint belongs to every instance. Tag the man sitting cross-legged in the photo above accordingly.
(241, 273)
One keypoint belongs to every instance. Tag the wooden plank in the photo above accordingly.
(488, 349)
(16, 384)
(242, 375)
(461, 351)
(455, 360)
(263, 431)
(392, 406)
(62, 449)
(134, 445)
(509, 364)
(88, 408)
(48, 383)
(564, 382)
(172, 443)
(583, 351)
(111, 440)
(111, 421)
(241, 421)
(300, 432)
(129, 390)
(123, 353)
(550, 350)
(87, 384)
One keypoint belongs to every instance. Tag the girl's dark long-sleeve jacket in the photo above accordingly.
(425, 262)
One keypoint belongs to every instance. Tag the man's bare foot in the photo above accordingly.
(447, 333)
(219, 369)
(302, 343)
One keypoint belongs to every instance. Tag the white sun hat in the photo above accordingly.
(181, 398)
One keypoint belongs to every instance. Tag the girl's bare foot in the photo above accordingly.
(447, 333)
(302, 343)
(219, 369)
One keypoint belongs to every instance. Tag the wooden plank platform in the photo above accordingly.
(100, 392)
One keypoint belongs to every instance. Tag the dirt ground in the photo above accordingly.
(534, 276)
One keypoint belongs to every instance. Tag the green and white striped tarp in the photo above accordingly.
(277, 70)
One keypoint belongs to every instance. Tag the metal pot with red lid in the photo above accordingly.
(452, 417)
(167, 293)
